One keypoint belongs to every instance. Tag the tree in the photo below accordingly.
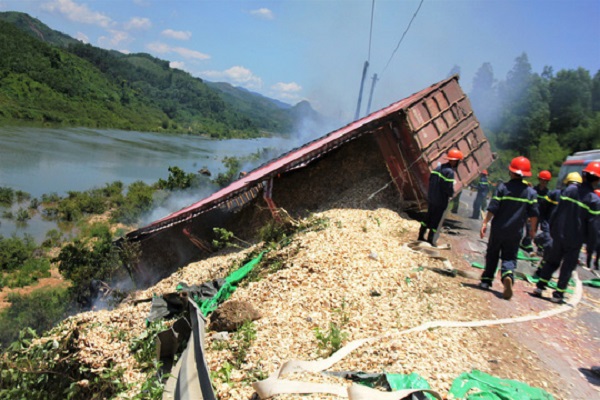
(571, 100)
(483, 96)
(524, 99)
(596, 92)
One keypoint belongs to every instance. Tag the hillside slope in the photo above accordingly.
(47, 77)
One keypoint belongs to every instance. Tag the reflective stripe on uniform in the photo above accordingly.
(580, 204)
(442, 176)
(514, 199)
(548, 199)
(506, 273)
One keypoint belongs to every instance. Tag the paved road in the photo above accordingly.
(568, 344)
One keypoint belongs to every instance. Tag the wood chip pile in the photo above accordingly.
(356, 273)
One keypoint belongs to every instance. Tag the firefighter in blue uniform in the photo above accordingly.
(483, 188)
(441, 189)
(571, 225)
(512, 204)
(542, 190)
(547, 201)
(593, 246)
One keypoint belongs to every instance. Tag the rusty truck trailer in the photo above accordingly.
(409, 137)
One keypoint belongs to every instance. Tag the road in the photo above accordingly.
(568, 345)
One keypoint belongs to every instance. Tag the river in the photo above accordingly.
(44, 161)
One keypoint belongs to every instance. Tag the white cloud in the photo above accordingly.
(238, 76)
(83, 37)
(179, 35)
(288, 92)
(188, 53)
(78, 12)
(115, 39)
(177, 64)
(263, 13)
(162, 48)
(157, 47)
(291, 87)
(138, 23)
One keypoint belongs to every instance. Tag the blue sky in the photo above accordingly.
(315, 49)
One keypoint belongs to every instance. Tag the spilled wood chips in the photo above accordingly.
(356, 273)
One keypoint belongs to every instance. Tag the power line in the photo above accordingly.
(371, 30)
(366, 66)
(404, 34)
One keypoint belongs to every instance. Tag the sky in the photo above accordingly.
(315, 50)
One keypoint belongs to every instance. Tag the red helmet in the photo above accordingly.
(484, 172)
(455, 154)
(521, 166)
(593, 168)
(545, 175)
(597, 191)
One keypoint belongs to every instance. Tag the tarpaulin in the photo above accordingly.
(210, 305)
(479, 385)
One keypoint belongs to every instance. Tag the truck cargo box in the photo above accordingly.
(409, 138)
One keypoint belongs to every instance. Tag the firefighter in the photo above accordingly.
(590, 247)
(542, 191)
(483, 188)
(512, 204)
(571, 225)
(546, 201)
(441, 189)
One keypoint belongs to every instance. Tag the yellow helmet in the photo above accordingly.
(572, 177)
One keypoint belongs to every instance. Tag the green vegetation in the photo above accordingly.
(45, 369)
(38, 312)
(331, 340)
(543, 116)
(59, 81)
(238, 347)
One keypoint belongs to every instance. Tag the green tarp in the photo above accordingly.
(210, 305)
(551, 284)
(523, 256)
(595, 282)
(477, 385)
(474, 385)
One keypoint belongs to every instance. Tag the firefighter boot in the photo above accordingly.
(508, 288)
(431, 238)
(422, 233)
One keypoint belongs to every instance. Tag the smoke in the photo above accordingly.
(309, 126)
(170, 202)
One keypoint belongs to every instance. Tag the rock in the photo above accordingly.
(204, 171)
(230, 316)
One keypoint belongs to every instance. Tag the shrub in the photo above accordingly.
(15, 251)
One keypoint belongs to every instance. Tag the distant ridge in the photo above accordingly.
(50, 78)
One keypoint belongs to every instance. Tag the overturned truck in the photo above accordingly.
(408, 139)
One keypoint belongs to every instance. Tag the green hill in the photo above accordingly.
(49, 78)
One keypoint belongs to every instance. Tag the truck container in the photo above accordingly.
(404, 141)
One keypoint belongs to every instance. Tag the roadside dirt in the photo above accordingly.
(555, 353)
(54, 280)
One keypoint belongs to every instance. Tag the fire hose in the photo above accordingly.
(275, 385)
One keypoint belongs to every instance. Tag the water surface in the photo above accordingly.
(43, 161)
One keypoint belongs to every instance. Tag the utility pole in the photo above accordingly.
(371, 94)
(362, 83)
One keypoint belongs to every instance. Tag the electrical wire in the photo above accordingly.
(371, 30)
(403, 35)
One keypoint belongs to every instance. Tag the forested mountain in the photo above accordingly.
(47, 77)
(544, 116)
